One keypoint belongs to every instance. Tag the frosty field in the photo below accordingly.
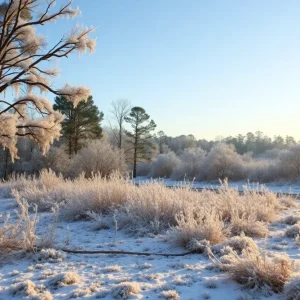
(45, 273)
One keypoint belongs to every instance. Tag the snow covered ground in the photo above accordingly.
(189, 277)
(276, 187)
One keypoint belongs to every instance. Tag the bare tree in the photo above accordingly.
(23, 58)
(120, 109)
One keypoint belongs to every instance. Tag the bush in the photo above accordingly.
(125, 289)
(256, 271)
(27, 288)
(21, 234)
(197, 225)
(237, 244)
(248, 225)
(164, 165)
(99, 157)
(290, 161)
(293, 231)
(190, 165)
(291, 220)
(169, 295)
(64, 279)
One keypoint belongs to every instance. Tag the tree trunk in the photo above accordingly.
(120, 137)
(134, 162)
(6, 164)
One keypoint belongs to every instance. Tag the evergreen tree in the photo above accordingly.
(140, 137)
(81, 122)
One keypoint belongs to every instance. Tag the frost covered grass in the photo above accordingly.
(255, 270)
(64, 279)
(18, 234)
(123, 290)
(152, 207)
(29, 288)
(293, 231)
(237, 244)
(169, 295)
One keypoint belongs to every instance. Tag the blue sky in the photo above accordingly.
(209, 68)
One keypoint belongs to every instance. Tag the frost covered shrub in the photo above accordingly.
(262, 170)
(123, 290)
(292, 288)
(56, 159)
(195, 224)
(290, 161)
(80, 293)
(248, 225)
(99, 157)
(50, 255)
(237, 244)
(96, 194)
(43, 190)
(164, 165)
(169, 295)
(190, 165)
(154, 207)
(64, 279)
(151, 208)
(291, 220)
(27, 288)
(256, 271)
(21, 234)
(223, 162)
(293, 231)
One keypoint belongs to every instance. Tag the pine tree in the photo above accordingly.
(140, 137)
(81, 122)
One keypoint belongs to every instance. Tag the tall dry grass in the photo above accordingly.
(18, 234)
(256, 271)
(152, 207)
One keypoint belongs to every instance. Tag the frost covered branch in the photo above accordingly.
(23, 55)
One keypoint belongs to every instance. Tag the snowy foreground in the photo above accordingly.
(99, 276)
(276, 187)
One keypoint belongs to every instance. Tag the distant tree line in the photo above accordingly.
(257, 143)
(130, 145)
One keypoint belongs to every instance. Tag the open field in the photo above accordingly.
(244, 246)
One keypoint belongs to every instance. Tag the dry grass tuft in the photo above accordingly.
(293, 231)
(27, 288)
(197, 225)
(19, 235)
(248, 225)
(169, 295)
(291, 220)
(256, 271)
(64, 279)
(237, 244)
(50, 255)
(124, 290)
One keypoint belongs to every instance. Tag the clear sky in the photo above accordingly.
(202, 67)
